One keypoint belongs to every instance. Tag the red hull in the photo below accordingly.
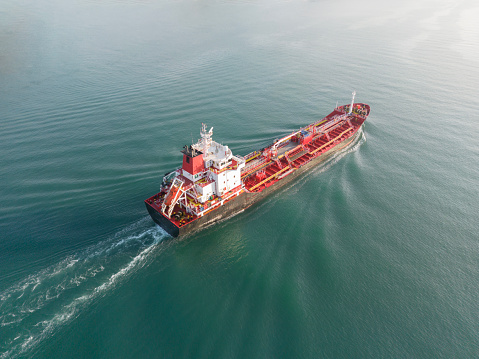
(267, 170)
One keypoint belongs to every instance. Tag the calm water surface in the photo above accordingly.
(373, 255)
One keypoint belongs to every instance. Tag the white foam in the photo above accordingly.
(71, 285)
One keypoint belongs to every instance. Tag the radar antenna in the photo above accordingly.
(206, 138)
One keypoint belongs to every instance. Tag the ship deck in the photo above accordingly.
(180, 217)
(263, 170)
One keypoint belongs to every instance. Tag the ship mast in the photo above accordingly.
(206, 138)
(352, 103)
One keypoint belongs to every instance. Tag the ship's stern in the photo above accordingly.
(162, 221)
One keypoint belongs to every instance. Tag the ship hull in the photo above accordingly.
(245, 199)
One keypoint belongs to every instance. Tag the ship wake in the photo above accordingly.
(37, 306)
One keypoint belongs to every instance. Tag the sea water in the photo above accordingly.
(374, 254)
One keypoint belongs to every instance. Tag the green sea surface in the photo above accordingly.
(374, 254)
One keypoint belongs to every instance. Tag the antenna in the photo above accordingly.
(352, 103)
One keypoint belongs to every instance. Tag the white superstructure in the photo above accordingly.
(210, 174)
(222, 168)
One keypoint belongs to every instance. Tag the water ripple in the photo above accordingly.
(60, 292)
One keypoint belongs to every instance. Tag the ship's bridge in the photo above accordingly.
(222, 169)
(220, 156)
(215, 154)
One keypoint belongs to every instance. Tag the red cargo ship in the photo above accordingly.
(213, 184)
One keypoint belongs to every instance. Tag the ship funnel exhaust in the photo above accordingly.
(352, 103)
